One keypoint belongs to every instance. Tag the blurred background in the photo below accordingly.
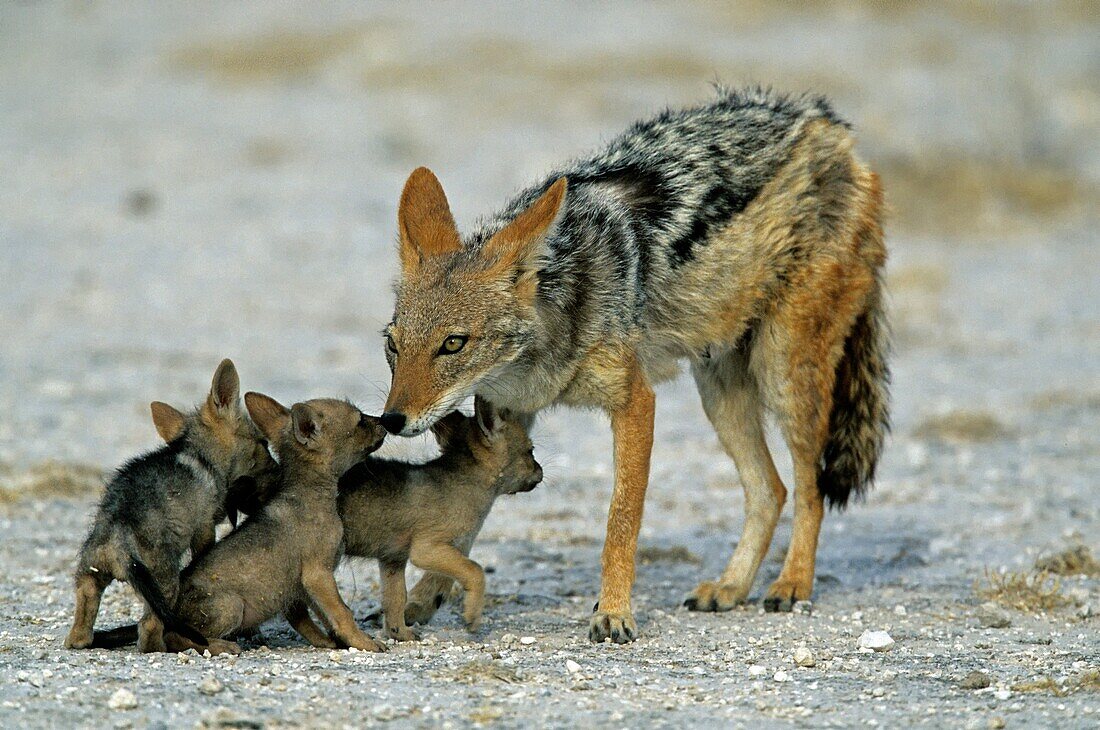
(184, 181)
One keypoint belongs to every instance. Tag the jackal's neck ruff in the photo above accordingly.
(666, 245)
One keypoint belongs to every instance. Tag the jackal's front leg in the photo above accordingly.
(632, 428)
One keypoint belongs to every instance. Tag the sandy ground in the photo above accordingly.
(188, 181)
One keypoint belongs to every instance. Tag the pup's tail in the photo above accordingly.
(860, 417)
(144, 583)
(116, 637)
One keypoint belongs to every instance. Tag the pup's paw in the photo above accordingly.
(78, 639)
(713, 596)
(221, 646)
(366, 643)
(619, 627)
(402, 633)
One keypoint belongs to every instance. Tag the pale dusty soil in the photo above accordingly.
(184, 182)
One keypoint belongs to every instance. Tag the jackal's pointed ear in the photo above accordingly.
(424, 220)
(306, 427)
(169, 422)
(518, 246)
(225, 389)
(268, 414)
(447, 429)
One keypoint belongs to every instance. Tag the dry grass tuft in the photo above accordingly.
(482, 671)
(962, 427)
(675, 554)
(1074, 561)
(1087, 682)
(1028, 592)
(49, 480)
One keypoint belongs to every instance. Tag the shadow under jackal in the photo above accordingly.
(158, 505)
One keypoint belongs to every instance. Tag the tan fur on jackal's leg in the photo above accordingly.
(447, 559)
(804, 342)
(325, 595)
(732, 403)
(89, 591)
(632, 428)
(796, 580)
(393, 600)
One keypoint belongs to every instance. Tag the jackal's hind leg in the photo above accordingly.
(802, 371)
(732, 403)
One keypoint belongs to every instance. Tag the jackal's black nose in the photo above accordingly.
(393, 422)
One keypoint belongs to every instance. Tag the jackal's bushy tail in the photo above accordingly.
(860, 417)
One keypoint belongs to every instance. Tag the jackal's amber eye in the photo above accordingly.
(453, 344)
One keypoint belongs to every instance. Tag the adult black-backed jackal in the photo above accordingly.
(743, 236)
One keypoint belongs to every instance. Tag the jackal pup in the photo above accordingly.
(743, 236)
(162, 503)
(431, 514)
(281, 561)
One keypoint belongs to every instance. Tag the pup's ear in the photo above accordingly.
(169, 422)
(424, 221)
(488, 418)
(449, 428)
(268, 414)
(306, 426)
(225, 389)
(518, 246)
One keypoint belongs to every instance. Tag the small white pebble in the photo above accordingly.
(781, 676)
(527, 640)
(757, 671)
(875, 641)
(571, 666)
(122, 699)
(803, 657)
(211, 686)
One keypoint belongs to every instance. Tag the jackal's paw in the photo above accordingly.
(78, 639)
(713, 596)
(784, 593)
(421, 613)
(619, 627)
(221, 646)
(402, 633)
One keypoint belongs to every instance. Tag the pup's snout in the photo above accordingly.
(534, 480)
(393, 422)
